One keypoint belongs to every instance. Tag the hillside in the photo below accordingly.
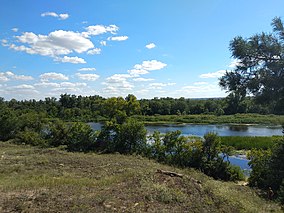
(53, 180)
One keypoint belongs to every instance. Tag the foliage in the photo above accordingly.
(80, 137)
(260, 68)
(131, 137)
(249, 142)
(268, 169)
(31, 137)
(8, 123)
(127, 138)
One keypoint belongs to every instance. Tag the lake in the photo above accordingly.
(220, 129)
(202, 129)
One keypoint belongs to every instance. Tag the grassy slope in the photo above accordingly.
(51, 180)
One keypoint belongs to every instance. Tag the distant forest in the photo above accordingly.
(96, 108)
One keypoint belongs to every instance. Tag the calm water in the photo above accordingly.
(220, 129)
(202, 129)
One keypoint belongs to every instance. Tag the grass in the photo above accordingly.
(53, 180)
(213, 119)
(247, 142)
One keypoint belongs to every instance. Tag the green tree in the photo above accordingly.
(81, 137)
(260, 67)
(131, 137)
(8, 123)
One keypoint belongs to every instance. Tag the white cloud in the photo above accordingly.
(24, 86)
(3, 77)
(150, 46)
(88, 77)
(117, 78)
(87, 69)
(103, 43)
(15, 29)
(73, 60)
(94, 51)
(150, 65)
(61, 16)
(137, 72)
(143, 79)
(118, 38)
(217, 74)
(209, 90)
(117, 84)
(53, 76)
(45, 84)
(95, 30)
(200, 83)
(160, 85)
(56, 43)
(6, 76)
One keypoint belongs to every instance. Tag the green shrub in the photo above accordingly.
(31, 137)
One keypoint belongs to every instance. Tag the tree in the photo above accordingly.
(131, 137)
(260, 67)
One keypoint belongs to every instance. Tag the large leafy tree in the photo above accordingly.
(260, 67)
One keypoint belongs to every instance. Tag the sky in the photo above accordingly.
(111, 48)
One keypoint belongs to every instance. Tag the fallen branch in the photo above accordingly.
(172, 174)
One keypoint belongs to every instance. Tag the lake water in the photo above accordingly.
(220, 129)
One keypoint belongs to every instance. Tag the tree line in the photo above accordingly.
(96, 108)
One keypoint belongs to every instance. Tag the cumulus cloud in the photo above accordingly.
(137, 72)
(87, 69)
(143, 79)
(6, 76)
(118, 38)
(197, 91)
(217, 74)
(53, 76)
(88, 77)
(61, 42)
(160, 85)
(61, 16)
(73, 60)
(117, 84)
(150, 65)
(95, 51)
(150, 46)
(54, 44)
(95, 30)
(15, 29)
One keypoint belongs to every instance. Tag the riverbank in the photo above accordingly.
(53, 180)
(213, 119)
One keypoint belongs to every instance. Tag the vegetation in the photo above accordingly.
(248, 143)
(259, 69)
(213, 119)
(51, 180)
(268, 170)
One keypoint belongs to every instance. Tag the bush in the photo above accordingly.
(131, 137)
(30, 137)
(80, 138)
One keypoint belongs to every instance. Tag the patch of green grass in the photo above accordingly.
(52, 180)
(248, 142)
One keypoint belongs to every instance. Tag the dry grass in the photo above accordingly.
(52, 180)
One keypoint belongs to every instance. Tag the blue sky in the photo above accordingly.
(149, 48)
